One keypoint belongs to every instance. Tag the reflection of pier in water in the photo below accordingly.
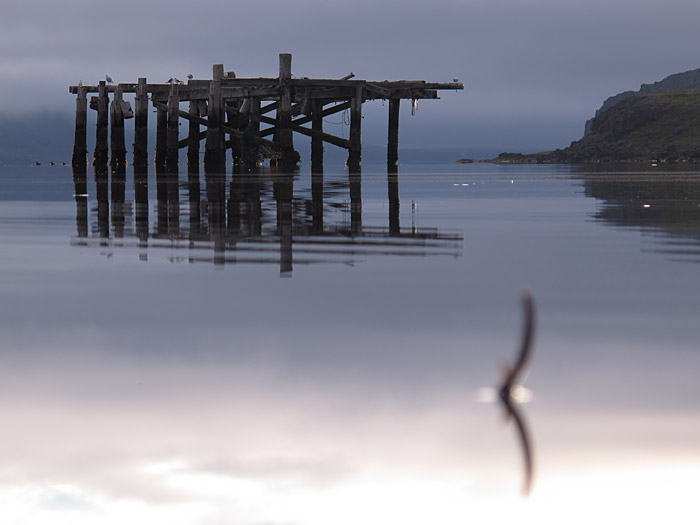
(257, 218)
(665, 207)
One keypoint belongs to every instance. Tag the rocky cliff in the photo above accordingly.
(688, 80)
(662, 126)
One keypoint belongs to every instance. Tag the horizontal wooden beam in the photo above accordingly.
(269, 87)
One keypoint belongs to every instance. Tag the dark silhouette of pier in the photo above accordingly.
(234, 114)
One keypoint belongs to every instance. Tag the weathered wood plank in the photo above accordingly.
(284, 112)
(141, 124)
(193, 138)
(118, 153)
(392, 154)
(79, 159)
(171, 154)
(101, 144)
(355, 150)
(317, 137)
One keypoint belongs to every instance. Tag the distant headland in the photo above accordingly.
(658, 123)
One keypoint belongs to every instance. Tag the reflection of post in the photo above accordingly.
(141, 202)
(81, 207)
(253, 211)
(317, 202)
(102, 192)
(101, 144)
(394, 225)
(162, 201)
(116, 114)
(392, 154)
(234, 206)
(284, 190)
(173, 205)
(316, 139)
(193, 189)
(80, 143)
(141, 124)
(118, 191)
(355, 204)
(216, 207)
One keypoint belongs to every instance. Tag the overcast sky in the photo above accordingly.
(533, 71)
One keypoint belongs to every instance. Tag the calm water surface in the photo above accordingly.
(298, 350)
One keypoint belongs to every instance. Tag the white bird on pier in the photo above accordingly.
(109, 79)
(455, 79)
(190, 76)
(170, 80)
(178, 81)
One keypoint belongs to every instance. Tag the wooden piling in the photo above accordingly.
(214, 159)
(250, 148)
(80, 143)
(355, 149)
(193, 139)
(317, 138)
(171, 154)
(116, 115)
(101, 144)
(284, 113)
(161, 137)
(392, 154)
(141, 124)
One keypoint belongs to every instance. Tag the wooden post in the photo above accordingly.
(355, 150)
(392, 154)
(116, 115)
(141, 124)
(101, 144)
(80, 143)
(161, 137)
(171, 154)
(284, 113)
(193, 139)
(317, 139)
(250, 148)
(214, 158)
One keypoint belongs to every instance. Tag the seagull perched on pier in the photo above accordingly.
(178, 81)
(109, 79)
(190, 76)
(512, 388)
(455, 79)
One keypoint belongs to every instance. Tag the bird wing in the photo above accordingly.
(526, 343)
(524, 437)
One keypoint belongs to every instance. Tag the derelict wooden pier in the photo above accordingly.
(235, 114)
